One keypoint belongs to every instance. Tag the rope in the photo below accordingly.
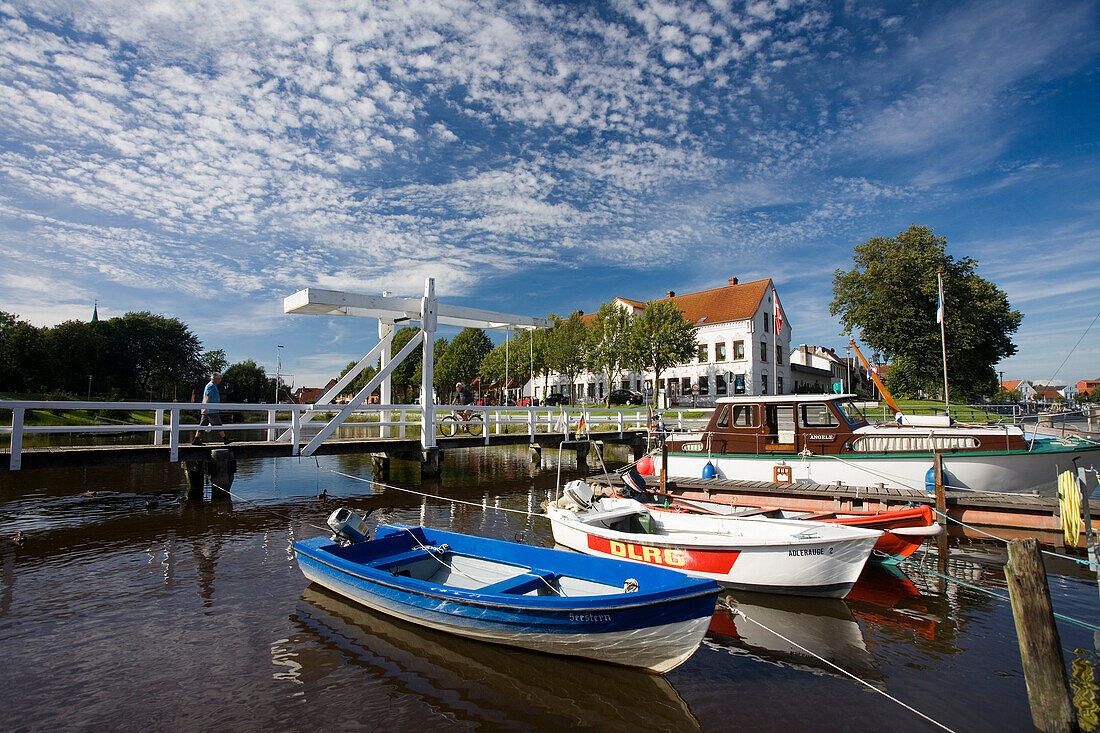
(269, 509)
(1067, 619)
(843, 671)
(432, 496)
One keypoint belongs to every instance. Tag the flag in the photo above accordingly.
(580, 426)
(562, 423)
(939, 305)
(778, 313)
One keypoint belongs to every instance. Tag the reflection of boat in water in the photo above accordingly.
(886, 597)
(505, 687)
(825, 627)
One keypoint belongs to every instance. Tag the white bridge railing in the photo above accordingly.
(288, 422)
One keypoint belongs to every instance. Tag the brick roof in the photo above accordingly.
(1012, 384)
(718, 305)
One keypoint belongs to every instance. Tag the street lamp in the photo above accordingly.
(278, 369)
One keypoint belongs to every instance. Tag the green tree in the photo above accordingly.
(565, 348)
(461, 359)
(609, 341)
(23, 352)
(405, 377)
(361, 379)
(890, 297)
(76, 362)
(1007, 395)
(213, 361)
(247, 382)
(661, 338)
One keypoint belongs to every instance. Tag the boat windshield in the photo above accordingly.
(850, 413)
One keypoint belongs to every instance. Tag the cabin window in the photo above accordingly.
(763, 351)
(851, 413)
(723, 417)
(720, 351)
(720, 384)
(738, 350)
(743, 416)
(816, 415)
(703, 353)
(704, 385)
(739, 384)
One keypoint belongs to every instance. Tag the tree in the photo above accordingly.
(213, 361)
(891, 297)
(405, 377)
(565, 347)
(247, 382)
(661, 337)
(153, 355)
(1005, 396)
(608, 345)
(461, 358)
(23, 352)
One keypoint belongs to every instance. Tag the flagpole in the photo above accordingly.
(943, 341)
(775, 340)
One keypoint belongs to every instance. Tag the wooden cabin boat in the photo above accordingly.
(536, 598)
(792, 557)
(825, 439)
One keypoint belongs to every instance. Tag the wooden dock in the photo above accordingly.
(1007, 516)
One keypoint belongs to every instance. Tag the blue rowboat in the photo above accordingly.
(535, 598)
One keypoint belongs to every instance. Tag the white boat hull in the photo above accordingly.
(793, 562)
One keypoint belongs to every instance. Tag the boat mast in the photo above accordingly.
(943, 341)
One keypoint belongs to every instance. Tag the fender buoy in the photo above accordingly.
(930, 480)
(645, 466)
(709, 471)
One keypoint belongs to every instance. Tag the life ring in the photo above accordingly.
(781, 474)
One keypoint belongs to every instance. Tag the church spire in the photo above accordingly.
(95, 312)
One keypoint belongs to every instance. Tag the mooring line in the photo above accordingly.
(269, 509)
(843, 671)
(432, 496)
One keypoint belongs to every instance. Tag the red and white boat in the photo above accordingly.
(903, 530)
(794, 557)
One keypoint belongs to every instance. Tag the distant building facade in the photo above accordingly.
(737, 352)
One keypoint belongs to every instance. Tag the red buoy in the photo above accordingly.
(645, 466)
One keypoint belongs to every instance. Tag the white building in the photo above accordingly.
(817, 369)
(738, 351)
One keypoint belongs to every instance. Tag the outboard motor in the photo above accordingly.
(634, 487)
(580, 493)
(349, 526)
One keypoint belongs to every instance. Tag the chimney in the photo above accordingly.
(733, 281)
(670, 294)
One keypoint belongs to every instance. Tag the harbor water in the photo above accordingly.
(123, 609)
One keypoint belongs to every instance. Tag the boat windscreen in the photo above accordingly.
(851, 413)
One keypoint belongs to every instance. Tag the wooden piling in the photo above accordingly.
(664, 469)
(222, 467)
(941, 514)
(431, 463)
(536, 454)
(1040, 646)
(195, 474)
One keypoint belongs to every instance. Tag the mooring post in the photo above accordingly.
(223, 467)
(664, 468)
(380, 465)
(1040, 646)
(941, 513)
(195, 474)
(431, 462)
(536, 454)
(582, 455)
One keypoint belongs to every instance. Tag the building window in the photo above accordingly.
(703, 353)
(763, 384)
(704, 385)
(660, 385)
(739, 384)
(763, 351)
(738, 350)
(779, 385)
(778, 354)
(720, 384)
(766, 326)
(591, 390)
(685, 385)
(720, 351)
(648, 385)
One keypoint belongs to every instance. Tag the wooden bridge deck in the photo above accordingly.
(110, 455)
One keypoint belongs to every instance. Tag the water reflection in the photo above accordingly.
(473, 680)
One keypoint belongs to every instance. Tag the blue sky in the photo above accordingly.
(205, 159)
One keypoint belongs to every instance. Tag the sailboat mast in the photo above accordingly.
(943, 341)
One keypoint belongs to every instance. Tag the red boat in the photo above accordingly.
(903, 529)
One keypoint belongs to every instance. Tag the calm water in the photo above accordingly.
(125, 611)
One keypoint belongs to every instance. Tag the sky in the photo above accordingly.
(203, 160)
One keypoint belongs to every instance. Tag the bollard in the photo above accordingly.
(1040, 646)
(582, 455)
(222, 467)
(380, 465)
(664, 468)
(536, 454)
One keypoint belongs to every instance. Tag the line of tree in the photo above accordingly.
(139, 355)
(612, 342)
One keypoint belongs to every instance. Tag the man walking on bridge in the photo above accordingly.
(210, 415)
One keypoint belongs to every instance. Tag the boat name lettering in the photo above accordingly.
(652, 555)
(806, 551)
(693, 447)
(819, 436)
(588, 618)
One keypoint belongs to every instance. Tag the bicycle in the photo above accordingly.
(449, 425)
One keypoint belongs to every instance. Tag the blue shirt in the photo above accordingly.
(211, 394)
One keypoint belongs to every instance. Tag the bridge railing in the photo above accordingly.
(288, 422)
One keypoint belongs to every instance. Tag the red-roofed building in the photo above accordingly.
(1027, 392)
(1087, 385)
(738, 350)
(304, 395)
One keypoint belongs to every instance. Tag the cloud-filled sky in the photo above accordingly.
(205, 159)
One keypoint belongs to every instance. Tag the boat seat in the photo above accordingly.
(609, 514)
(401, 558)
(529, 581)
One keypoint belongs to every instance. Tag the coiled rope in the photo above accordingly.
(846, 673)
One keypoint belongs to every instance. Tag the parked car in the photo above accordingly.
(625, 397)
(555, 398)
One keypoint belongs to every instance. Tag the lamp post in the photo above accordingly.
(278, 369)
(89, 388)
